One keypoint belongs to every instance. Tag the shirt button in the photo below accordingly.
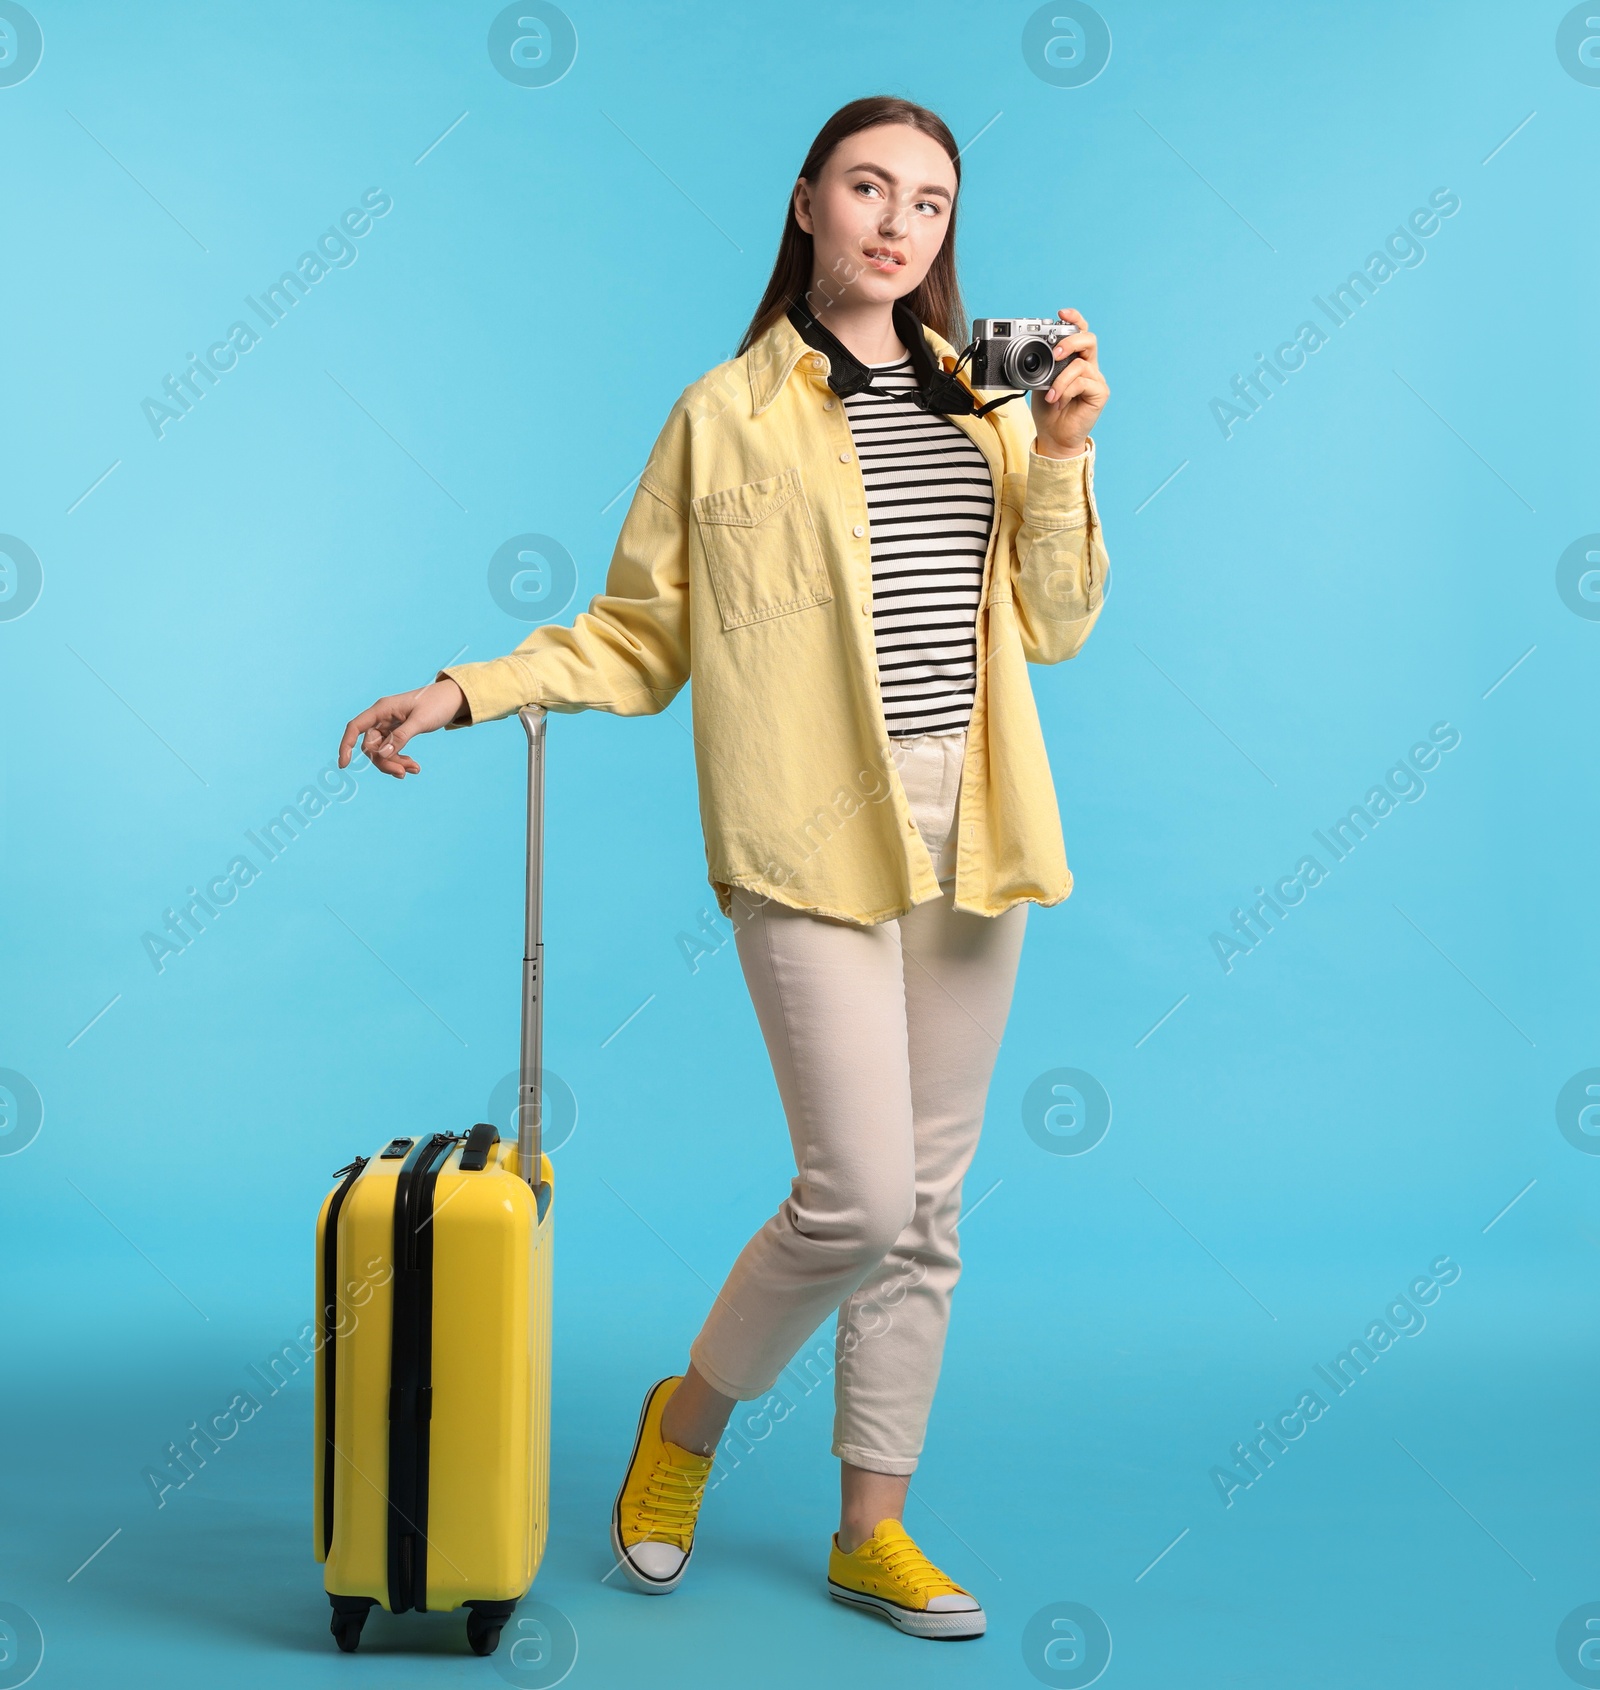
(816, 363)
(827, 404)
(863, 610)
(858, 530)
(844, 457)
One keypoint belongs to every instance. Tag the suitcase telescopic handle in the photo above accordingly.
(529, 1120)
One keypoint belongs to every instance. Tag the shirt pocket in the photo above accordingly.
(762, 549)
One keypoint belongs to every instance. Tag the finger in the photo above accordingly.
(1087, 367)
(379, 719)
(384, 756)
(1076, 387)
(1086, 363)
(353, 729)
(1068, 315)
(1075, 374)
(1089, 399)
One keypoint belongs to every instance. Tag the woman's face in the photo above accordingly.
(877, 215)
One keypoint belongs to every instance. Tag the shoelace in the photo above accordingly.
(906, 1564)
(671, 1501)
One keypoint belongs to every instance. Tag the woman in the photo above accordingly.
(856, 567)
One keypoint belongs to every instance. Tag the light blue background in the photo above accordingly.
(1302, 1136)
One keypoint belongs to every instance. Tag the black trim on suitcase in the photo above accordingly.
(411, 1372)
(330, 1323)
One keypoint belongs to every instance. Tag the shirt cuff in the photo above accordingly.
(462, 677)
(1058, 488)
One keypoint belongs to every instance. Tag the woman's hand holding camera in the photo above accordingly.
(1065, 412)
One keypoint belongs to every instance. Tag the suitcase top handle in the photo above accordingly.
(529, 1115)
(475, 1152)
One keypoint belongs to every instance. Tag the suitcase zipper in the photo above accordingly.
(330, 1321)
(411, 1372)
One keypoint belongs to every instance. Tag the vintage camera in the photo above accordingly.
(1016, 351)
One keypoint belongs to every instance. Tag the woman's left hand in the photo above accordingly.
(1065, 412)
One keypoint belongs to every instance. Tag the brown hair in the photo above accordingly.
(936, 299)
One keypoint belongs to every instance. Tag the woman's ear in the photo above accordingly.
(802, 205)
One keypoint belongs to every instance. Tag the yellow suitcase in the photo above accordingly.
(432, 1469)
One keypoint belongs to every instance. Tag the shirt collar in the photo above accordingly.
(774, 354)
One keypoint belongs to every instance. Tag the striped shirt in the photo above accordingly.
(930, 502)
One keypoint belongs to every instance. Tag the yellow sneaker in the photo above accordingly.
(888, 1573)
(652, 1522)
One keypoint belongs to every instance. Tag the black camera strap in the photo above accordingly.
(984, 409)
(937, 390)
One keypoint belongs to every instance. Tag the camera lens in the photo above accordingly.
(1029, 362)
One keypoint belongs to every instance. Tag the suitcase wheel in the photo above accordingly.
(484, 1622)
(349, 1616)
(483, 1633)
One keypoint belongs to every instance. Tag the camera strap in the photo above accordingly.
(984, 409)
(937, 389)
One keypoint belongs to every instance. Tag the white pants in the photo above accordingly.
(882, 1042)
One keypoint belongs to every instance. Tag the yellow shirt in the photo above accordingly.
(744, 560)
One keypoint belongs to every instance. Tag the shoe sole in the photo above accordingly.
(640, 1580)
(918, 1622)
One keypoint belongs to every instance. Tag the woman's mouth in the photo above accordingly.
(885, 258)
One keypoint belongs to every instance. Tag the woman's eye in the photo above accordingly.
(870, 187)
(929, 207)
